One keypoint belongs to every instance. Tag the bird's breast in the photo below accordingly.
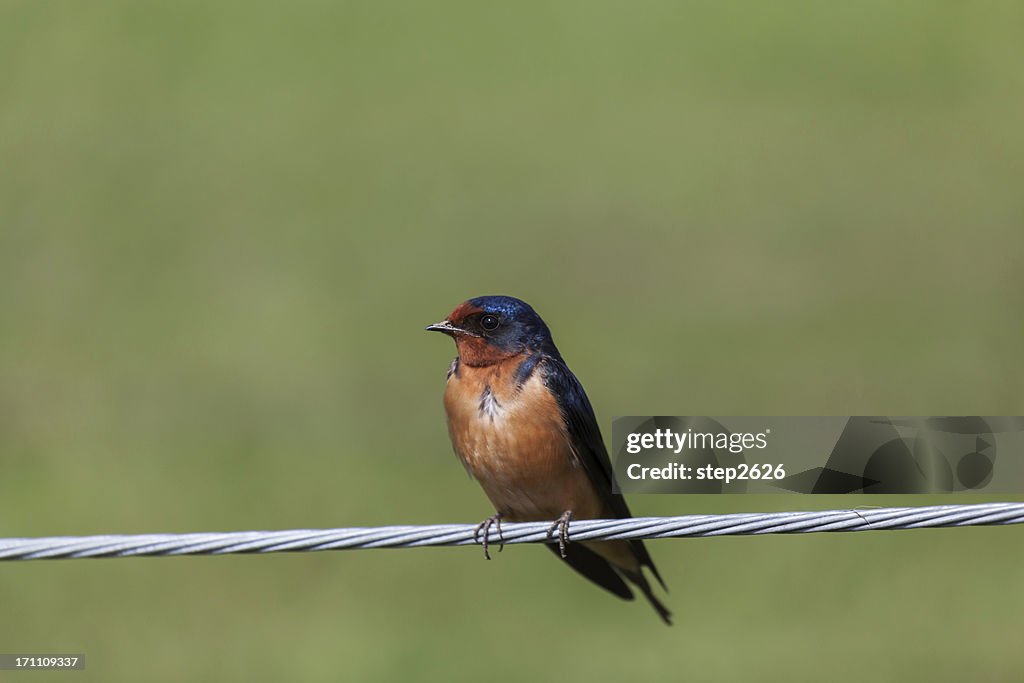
(510, 435)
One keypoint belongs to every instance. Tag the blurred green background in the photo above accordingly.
(223, 227)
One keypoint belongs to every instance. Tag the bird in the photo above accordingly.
(523, 427)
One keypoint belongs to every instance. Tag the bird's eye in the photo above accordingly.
(489, 322)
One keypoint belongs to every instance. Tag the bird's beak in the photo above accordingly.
(444, 326)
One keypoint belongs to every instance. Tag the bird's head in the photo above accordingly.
(489, 329)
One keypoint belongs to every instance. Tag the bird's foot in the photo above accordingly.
(484, 528)
(562, 525)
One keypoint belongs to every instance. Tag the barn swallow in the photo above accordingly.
(523, 427)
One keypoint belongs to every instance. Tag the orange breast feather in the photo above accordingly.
(513, 441)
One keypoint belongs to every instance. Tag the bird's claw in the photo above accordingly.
(484, 528)
(562, 525)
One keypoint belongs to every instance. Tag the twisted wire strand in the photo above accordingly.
(688, 526)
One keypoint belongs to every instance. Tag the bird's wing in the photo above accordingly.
(587, 444)
(594, 567)
(584, 434)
